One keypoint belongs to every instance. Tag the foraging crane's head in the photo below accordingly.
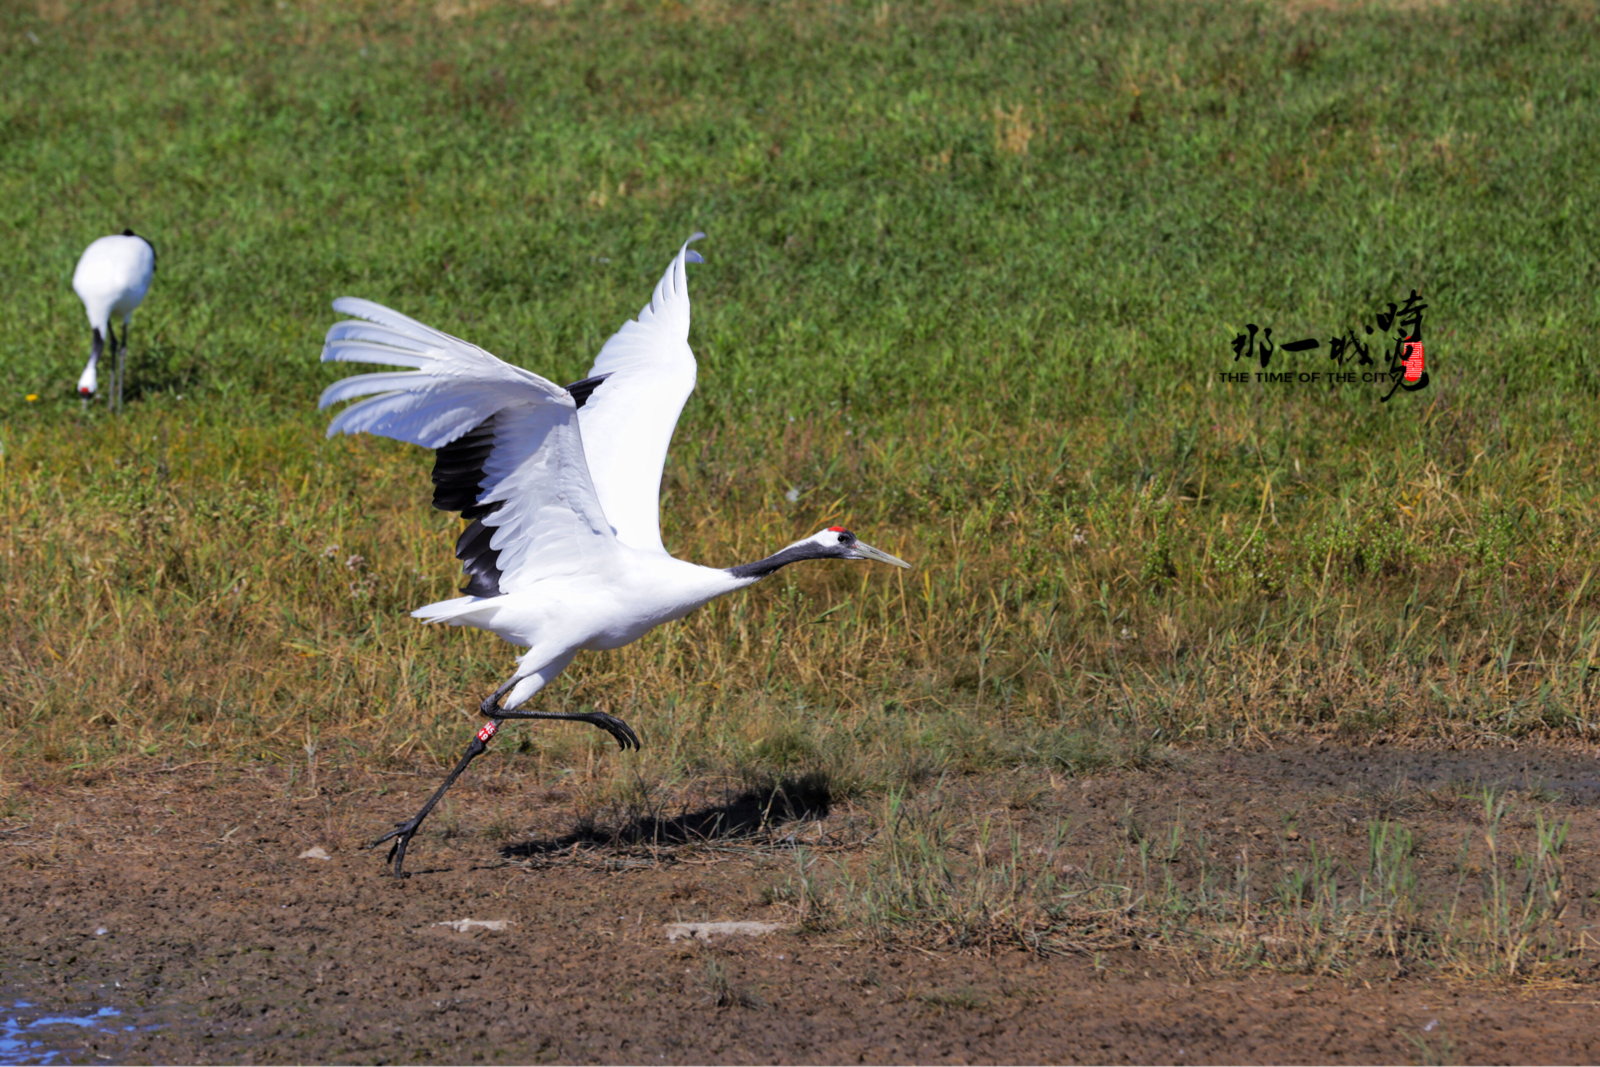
(87, 382)
(838, 543)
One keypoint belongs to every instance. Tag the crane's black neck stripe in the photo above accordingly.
(793, 554)
(458, 479)
(581, 390)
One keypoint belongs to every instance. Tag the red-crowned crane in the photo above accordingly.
(561, 488)
(112, 277)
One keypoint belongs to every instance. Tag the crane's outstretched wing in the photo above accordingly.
(510, 454)
(648, 372)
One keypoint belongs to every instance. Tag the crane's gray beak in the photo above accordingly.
(866, 551)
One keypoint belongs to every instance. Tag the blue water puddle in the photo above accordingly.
(29, 1038)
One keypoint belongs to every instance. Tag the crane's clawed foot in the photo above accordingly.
(401, 835)
(614, 726)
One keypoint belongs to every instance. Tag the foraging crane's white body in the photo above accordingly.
(112, 278)
(564, 550)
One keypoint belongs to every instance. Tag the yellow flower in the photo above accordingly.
(32, 397)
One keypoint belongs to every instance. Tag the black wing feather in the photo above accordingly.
(457, 480)
(580, 390)
(481, 563)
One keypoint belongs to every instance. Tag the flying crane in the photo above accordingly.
(560, 488)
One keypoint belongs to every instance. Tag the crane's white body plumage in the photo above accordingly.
(578, 536)
(112, 278)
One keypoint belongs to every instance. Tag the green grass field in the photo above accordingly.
(972, 276)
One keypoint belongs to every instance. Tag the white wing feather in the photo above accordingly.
(551, 522)
(628, 420)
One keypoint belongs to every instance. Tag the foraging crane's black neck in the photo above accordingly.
(793, 554)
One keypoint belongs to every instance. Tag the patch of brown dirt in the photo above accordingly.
(180, 899)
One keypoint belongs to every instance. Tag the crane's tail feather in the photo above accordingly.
(460, 611)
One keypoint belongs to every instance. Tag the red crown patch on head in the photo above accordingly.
(837, 529)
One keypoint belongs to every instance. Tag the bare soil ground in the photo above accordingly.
(181, 899)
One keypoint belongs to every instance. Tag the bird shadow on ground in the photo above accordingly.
(156, 368)
(747, 813)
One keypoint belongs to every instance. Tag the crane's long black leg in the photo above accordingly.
(122, 366)
(619, 730)
(404, 832)
(491, 703)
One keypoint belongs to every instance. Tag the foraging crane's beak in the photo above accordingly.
(866, 551)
